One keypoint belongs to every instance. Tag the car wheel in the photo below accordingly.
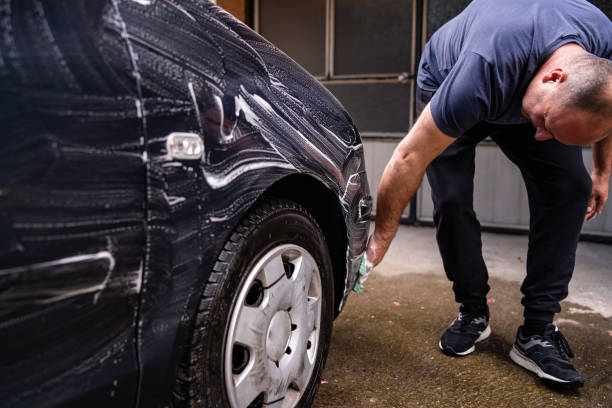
(264, 323)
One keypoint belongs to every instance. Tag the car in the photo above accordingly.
(183, 209)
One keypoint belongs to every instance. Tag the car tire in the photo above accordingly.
(270, 300)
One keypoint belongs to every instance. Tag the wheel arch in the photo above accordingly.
(324, 206)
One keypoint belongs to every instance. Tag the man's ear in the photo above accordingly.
(555, 75)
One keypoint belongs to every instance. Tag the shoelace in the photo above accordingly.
(558, 346)
(562, 342)
(463, 323)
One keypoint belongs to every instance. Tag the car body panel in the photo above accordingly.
(190, 67)
(72, 199)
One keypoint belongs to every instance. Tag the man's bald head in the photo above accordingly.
(589, 85)
(570, 97)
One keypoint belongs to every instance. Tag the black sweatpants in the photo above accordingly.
(558, 189)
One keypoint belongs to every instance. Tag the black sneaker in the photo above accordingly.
(467, 330)
(546, 356)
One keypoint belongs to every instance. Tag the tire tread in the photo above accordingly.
(188, 382)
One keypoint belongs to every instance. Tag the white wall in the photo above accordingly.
(378, 153)
(500, 198)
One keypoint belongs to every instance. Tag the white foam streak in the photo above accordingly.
(226, 136)
(71, 260)
(140, 277)
(348, 184)
(219, 181)
(219, 219)
(173, 200)
(194, 100)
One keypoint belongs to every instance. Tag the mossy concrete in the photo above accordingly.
(385, 354)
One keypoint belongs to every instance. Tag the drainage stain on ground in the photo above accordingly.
(384, 352)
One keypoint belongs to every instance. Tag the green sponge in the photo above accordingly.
(358, 287)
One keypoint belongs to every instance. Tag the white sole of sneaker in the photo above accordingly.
(519, 358)
(485, 333)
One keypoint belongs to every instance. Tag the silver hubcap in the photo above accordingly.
(273, 334)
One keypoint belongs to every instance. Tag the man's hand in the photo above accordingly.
(602, 158)
(599, 195)
(376, 250)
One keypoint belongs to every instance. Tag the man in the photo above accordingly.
(489, 72)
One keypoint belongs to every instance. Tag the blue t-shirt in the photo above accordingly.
(480, 62)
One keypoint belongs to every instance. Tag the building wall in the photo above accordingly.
(237, 8)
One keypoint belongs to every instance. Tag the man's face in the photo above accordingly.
(568, 125)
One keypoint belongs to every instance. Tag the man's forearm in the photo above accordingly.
(399, 183)
(402, 178)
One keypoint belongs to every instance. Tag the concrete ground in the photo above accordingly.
(384, 350)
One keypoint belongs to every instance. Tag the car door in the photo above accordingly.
(72, 206)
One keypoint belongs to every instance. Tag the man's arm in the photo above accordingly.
(602, 157)
(402, 178)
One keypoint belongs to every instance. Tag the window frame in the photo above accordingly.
(330, 78)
